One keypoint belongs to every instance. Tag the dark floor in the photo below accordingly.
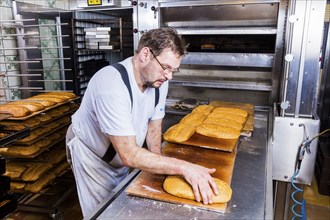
(318, 208)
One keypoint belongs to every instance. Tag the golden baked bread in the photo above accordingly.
(224, 122)
(45, 103)
(179, 132)
(193, 119)
(31, 122)
(32, 106)
(231, 110)
(43, 117)
(16, 185)
(237, 118)
(68, 95)
(55, 99)
(36, 171)
(177, 186)
(60, 167)
(19, 150)
(14, 110)
(55, 137)
(64, 120)
(13, 127)
(2, 135)
(43, 143)
(63, 108)
(13, 170)
(204, 109)
(55, 112)
(214, 130)
(54, 156)
(40, 183)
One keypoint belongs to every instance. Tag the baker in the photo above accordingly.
(122, 108)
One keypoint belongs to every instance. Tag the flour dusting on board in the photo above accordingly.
(151, 189)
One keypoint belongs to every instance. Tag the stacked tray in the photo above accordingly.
(36, 159)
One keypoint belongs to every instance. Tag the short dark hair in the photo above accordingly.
(159, 39)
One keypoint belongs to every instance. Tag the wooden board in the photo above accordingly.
(149, 185)
(198, 140)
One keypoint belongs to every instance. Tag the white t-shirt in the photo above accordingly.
(106, 109)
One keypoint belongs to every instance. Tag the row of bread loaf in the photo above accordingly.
(25, 107)
(217, 122)
(32, 176)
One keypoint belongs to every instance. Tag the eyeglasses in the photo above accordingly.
(168, 70)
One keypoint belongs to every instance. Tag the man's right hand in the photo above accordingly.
(201, 182)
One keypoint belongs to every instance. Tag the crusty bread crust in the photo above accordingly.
(214, 130)
(237, 118)
(179, 132)
(224, 122)
(193, 119)
(177, 186)
(203, 109)
(14, 110)
(235, 111)
(32, 106)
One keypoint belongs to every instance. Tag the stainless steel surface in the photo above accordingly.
(229, 59)
(227, 24)
(304, 28)
(144, 18)
(259, 85)
(228, 30)
(248, 184)
(288, 136)
(169, 3)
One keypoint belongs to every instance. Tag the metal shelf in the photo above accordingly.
(229, 59)
(221, 83)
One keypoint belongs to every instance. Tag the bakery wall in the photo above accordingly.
(9, 56)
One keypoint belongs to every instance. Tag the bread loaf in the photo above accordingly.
(32, 106)
(60, 167)
(48, 98)
(237, 118)
(235, 111)
(14, 186)
(177, 186)
(14, 171)
(214, 130)
(36, 171)
(224, 122)
(19, 150)
(14, 110)
(43, 117)
(179, 132)
(46, 95)
(54, 156)
(45, 103)
(40, 183)
(68, 95)
(203, 109)
(193, 119)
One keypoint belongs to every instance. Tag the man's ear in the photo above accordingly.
(144, 54)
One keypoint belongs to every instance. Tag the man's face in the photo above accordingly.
(161, 68)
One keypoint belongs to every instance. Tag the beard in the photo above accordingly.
(154, 84)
